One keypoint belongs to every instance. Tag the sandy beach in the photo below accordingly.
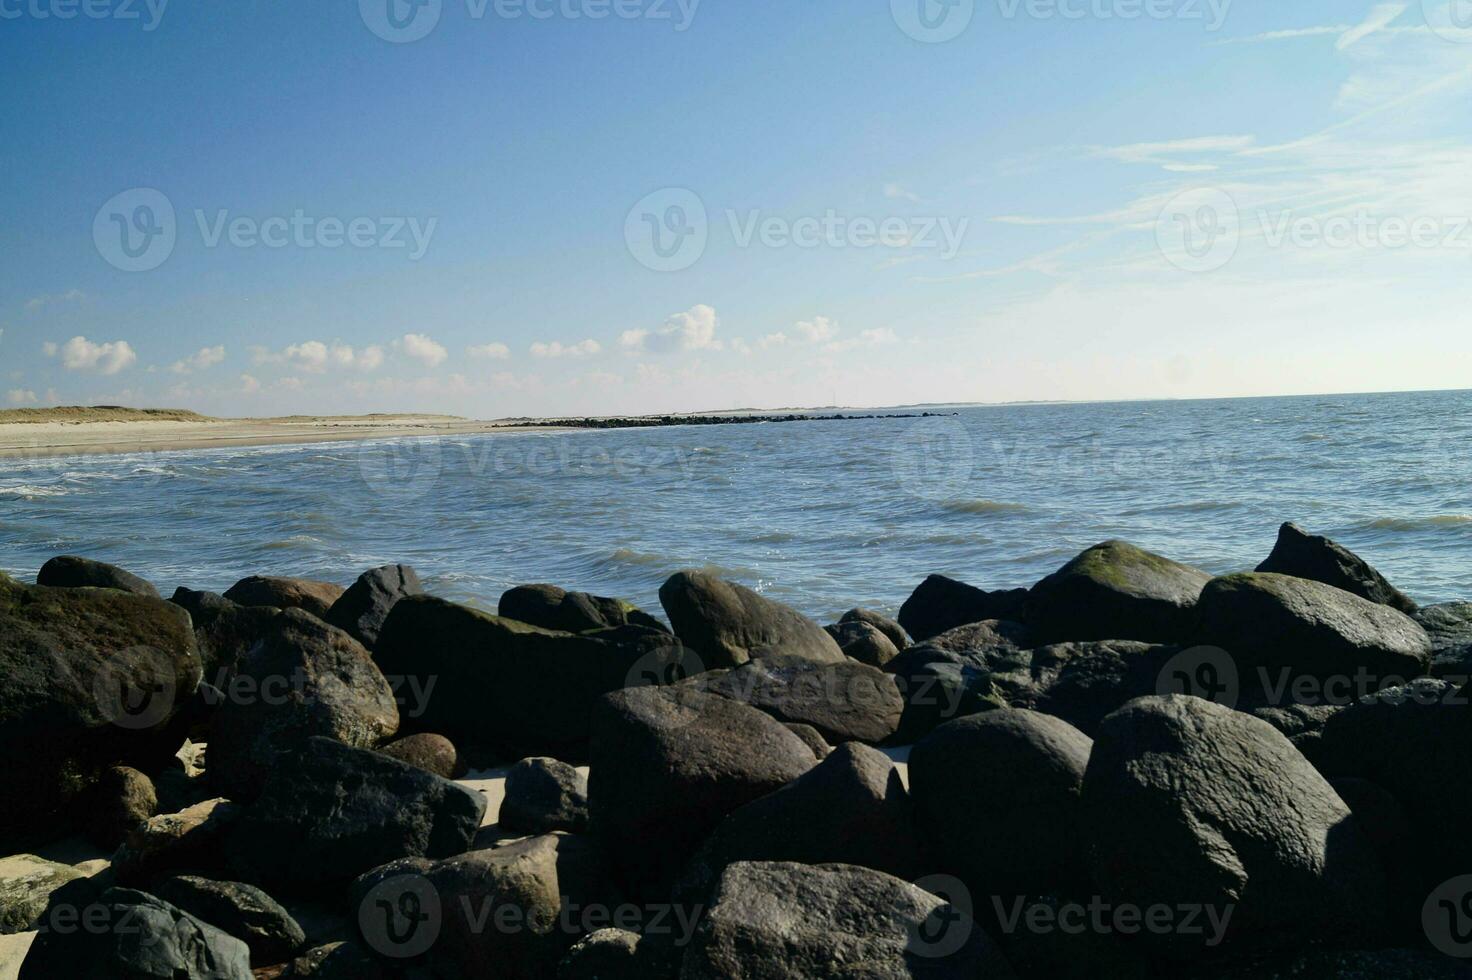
(59, 437)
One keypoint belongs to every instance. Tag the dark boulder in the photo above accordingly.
(331, 812)
(1312, 556)
(1276, 628)
(728, 624)
(432, 753)
(810, 736)
(1449, 625)
(881, 622)
(553, 608)
(487, 680)
(997, 801)
(241, 910)
(362, 609)
(71, 572)
(225, 630)
(939, 604)
(142, 937)
(339, 961)
(668, 764)
(819, 922)
(1190, 802)
(286, 593)
(989, 636)
(89, 678)
(851, 808)
(1335, 964)
(846, 701)
(863, 642)
(1116, 591)
(304, 678)
(543, 795)
(122, 800)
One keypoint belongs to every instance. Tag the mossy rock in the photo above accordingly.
(1116, 591)
(26, 884)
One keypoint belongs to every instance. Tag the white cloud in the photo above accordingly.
(315, 357)
(20, 396)
(556, 348)
(70, 296)
(423, 349)
(1380, 18)
(866, 338)
(81, 354)
(206, 357)
(492, 351)
(695, 329)
(897, 193)
(819, 329)
(249, 385)
(778, 339)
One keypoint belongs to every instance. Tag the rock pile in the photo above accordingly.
(1132, 769)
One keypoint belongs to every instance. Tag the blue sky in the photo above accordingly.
(1076, 199)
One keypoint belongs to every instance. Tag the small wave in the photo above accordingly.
(1312, 437)
(295, 541)
(1419, 523)
(627, 556)
(27, 492)
(984, 507)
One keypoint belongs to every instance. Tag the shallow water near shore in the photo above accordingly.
(824, 515)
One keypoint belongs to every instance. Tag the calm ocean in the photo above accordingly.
(824, 515)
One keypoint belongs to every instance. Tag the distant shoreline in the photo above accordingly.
(106, 430)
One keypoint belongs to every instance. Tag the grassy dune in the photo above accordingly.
(100, 413)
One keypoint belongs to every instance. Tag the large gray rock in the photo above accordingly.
(939, 604)
(1449, 626)
(544, 795)
(331, 812)
(989, 636)
(668, 764)
(809, 922)
(89, 678)
(144, 937)
(727, 624)
(1189, 802)
(608, 954)
(286, 593)
(482, 679)
(554, 608)
(304, 678)
(843, 702)
(225, 630)
(1277, 627)
(72, 572)
(363, 608)
(851, 808)
(433, 753)
(1312, 556)
(1116, 591)
(241, 910)
(997, 801)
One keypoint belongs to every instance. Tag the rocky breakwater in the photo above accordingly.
(1132, 768)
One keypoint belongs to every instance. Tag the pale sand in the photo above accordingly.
(67, 438)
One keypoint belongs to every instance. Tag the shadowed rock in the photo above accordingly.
(241, 910)
(1449, 626)
(844, 702)
(879, 621)
(553, 608)
(432, 753)
(863, 642)
(72, 572)
(543, 795)
(362, 609)
(1311, 556)
(939, 604)
(286, 593)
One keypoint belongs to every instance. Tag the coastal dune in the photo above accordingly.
(1217, 776)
